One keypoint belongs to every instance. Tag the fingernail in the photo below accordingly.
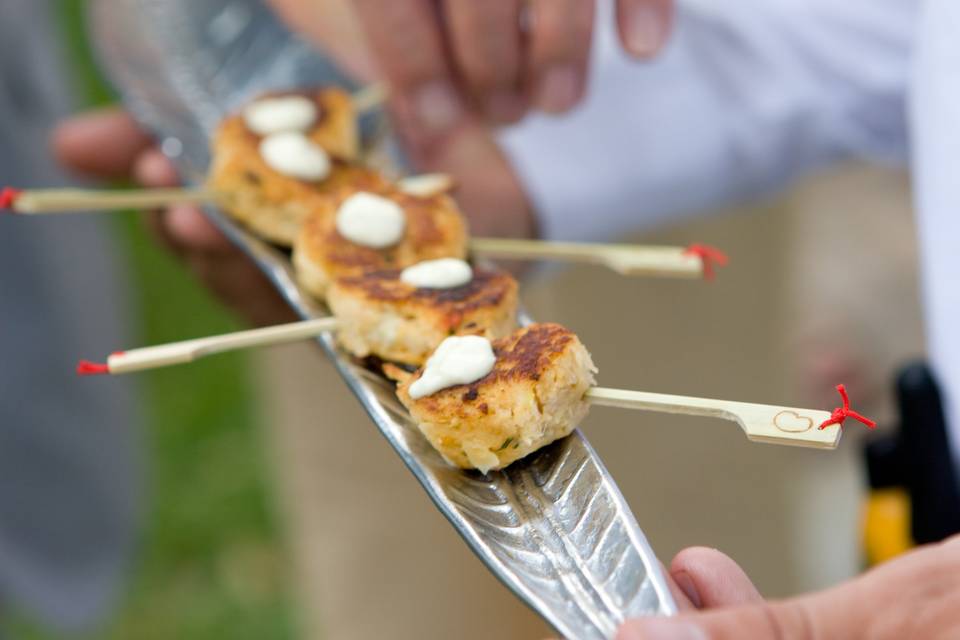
(661, 629)
(559, 89)
(505, 106)
(645, 29)
(685, 582)
(437, 106)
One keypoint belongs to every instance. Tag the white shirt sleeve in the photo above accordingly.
(934, 118)
(748, 95)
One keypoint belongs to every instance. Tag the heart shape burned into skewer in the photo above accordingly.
(536, 390)
(792, 422)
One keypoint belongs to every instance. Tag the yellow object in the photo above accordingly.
(886, 525)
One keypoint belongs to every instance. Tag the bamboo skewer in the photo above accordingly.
(761, 422)
(75, 200)
(37, 201)
(625, 259)
(45, 201)
(189, 350)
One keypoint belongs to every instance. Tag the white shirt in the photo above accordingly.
(748, 96)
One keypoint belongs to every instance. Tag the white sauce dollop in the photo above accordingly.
(458, 360)
(295, 155)
(371, 220)
(426, 185)
(277, 115)
(445, 273)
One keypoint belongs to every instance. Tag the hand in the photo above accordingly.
(456, 66)
(914, 596)
(504, 56)
(109, 144)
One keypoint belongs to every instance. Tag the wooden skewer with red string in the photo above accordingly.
(52, 201)
(166, 355)
(761, 422)
(77, 200)
(694, 261)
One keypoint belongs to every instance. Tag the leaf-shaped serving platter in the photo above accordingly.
(553, 526)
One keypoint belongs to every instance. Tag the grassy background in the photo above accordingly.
(211, 563)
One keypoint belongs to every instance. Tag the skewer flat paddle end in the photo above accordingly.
(673, 262)
(794, 427)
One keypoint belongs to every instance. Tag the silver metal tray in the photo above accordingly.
(553, 527)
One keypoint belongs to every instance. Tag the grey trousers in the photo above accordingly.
(69, 483)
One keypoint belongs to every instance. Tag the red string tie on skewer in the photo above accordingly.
(710, 256)
(8, 196)
(87, 368)
(842, 413)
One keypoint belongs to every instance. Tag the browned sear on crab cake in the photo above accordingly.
(272, 204)
(434, 228)
(381, 315)
(533, 396)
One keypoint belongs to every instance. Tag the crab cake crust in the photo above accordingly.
(435, 228)
(274, 205)
(533, 396)
(381, 315)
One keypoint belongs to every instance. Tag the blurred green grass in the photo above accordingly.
(211, 562)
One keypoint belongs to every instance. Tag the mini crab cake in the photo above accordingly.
(380, 314)
(533, 396)
(274, 203)
(433, 227)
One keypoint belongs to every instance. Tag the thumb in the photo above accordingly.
(839, 612)
(914, 596)
(792, 620)
(711, 579)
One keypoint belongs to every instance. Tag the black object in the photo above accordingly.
(918, 458)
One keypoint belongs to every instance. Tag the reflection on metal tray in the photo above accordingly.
(553, 527)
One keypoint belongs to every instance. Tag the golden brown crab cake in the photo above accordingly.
(272, 204)
(379, 314)
(533, 396)
(434, 228)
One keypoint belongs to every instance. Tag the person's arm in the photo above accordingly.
(746, 96)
